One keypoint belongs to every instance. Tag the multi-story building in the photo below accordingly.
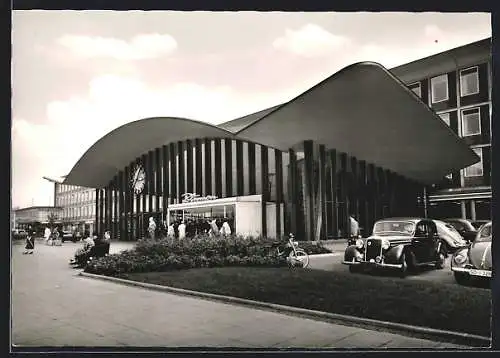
(457, 84)
(34, 217)
(77, 206)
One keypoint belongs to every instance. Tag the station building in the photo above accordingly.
(358, 143)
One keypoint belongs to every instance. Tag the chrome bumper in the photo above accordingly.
(472, 272)
(372, 264)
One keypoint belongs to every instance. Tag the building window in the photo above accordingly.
(439, 88)
(471, 122)
(445, 117)
(475, 170)
(469, 81)
(416, 88)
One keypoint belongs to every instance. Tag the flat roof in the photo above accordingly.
(362, 110)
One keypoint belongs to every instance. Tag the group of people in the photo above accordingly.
(84, 253)
(53, 235)
(181, 229)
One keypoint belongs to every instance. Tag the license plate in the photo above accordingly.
(482, 273)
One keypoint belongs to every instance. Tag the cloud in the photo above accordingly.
(143, 46)
(310, 40)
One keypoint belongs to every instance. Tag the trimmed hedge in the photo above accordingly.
(168, 254)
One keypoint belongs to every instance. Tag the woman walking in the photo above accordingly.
(30, 243)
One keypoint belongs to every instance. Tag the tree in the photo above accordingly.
(52, 218)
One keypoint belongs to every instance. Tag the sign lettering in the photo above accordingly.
(192, 197)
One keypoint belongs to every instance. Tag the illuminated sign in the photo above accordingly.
(192, 197)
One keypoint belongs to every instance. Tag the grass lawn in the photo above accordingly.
(420, 303)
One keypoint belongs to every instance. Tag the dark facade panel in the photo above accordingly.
(173, 172)
(189, 166)
(207, 166)
(218, 167)
(240, 190)
(199, 166)
(252, 186)
(228, 161)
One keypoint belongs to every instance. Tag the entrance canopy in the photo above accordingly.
(362, 110)
(365, 111)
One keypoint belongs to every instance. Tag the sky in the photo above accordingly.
(77, 75)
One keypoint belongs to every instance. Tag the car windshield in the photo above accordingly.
(477, 224)
(394, 227)
(485, 234)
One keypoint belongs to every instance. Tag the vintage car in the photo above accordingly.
(398, 243)
(464, 228)
(450, 236)
(475, 260)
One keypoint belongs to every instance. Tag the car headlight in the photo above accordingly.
(385, 244)
(359, 243)
(460, 259)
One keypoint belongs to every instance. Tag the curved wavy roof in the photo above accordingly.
(362, 110)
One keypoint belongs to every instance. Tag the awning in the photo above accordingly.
(117, 149)
(362, 110)
(365, 111)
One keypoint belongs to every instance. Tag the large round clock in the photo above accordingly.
(138, 179)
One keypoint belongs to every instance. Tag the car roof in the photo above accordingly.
(412, 219)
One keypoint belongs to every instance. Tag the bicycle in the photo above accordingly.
(295, 256)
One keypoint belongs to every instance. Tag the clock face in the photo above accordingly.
(138, 179)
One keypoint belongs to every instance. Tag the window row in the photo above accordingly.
(75, 198)
(470, 121)
(85, 211)
(469, 85)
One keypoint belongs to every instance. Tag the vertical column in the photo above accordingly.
(264, 163)
(158, 187)
(229, 166)
(473, 209)
(150, 180)
(182, 162)
(189, 166)
(355, 188)
(332, 158)
(199, 166)
(322, 193)
(165, 181)
(173, 172)
(292, 192)
(463, 209)
(97, 210)
(121, 206)
(309, 188)
(218, 167)
(101, 213)
(109, 209)
(126, 204)
(278, 156)
(240, 190)
(252, 172)
(344, 213)
(208, 166)
(144, 196)
(362, 199)
(115, 207)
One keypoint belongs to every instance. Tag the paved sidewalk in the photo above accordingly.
(54, 307)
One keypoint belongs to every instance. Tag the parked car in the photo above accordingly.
(452, 239)
(19, 234)
(68, 236)
(464, 228)
(475, 260)
(478, 223)
(398, 243)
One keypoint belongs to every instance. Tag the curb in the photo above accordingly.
(469, 339)
(331, 254)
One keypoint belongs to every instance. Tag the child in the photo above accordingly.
(30, 243)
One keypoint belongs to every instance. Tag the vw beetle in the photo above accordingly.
(398, 243)
(474, 261)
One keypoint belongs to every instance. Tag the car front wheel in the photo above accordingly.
(403, 271)
(461, 278)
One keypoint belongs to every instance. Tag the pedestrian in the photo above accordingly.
(152, 228)
(171, 231)
(30, 243)
(46, 234)
(182, 230)
(353, 230)
(226, 229)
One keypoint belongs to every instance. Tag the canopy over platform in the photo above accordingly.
(362, 110)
